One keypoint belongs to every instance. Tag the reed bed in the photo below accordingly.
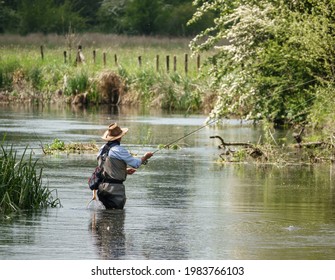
(21, 186)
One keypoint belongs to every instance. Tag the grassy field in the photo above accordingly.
(35, 65)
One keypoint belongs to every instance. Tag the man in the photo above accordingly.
(111, 191)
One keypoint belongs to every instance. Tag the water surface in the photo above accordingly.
(182, 205)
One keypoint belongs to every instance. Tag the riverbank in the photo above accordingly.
(157, 72)
(149, 72)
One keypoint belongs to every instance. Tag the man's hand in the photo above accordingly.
(146, 157)
(130, 171)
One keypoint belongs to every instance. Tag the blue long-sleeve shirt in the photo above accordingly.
(118, 152)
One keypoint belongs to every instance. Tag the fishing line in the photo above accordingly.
(188, 134)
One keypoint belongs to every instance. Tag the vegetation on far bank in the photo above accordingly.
(114, 74)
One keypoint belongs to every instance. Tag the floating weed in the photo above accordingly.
(171, 147)
(59, 146)
(55, 145)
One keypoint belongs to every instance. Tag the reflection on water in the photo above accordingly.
(108, 229)
(182, 205)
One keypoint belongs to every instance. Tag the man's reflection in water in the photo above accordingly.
(108, 228)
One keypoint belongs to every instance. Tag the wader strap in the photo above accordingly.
(110, 180)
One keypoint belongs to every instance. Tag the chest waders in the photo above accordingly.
(111, 191)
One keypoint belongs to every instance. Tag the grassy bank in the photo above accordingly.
(154, 71)
(21, 186)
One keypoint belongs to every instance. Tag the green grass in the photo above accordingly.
(21, 186)
(22, 68)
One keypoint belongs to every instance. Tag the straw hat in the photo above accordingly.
(114, 132)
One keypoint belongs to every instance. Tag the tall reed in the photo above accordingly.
(21, 186)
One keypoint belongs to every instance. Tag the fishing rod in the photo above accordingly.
(188, 134)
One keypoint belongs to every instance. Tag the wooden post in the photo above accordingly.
(115, 60)
(140, 61)
(157, 63)
(174, 63)
(105, 58)
(198, 62)
(186, 63)
(42, 53)
(168, 63)
(65, 56)
(94, 56)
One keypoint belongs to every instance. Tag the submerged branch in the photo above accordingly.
(309, 152)
(250, 149)
(224, 144)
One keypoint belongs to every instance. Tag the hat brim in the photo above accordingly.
(108, 138)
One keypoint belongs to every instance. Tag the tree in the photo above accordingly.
(45, 16)
(279, 52)
(110, 15)
(172, 20)
(141, 15)
(8, 15)
(86, 9)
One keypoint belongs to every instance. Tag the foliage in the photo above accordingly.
(21, 186)
(143, 17)
(78, 83)
(45, 16)
(110, 15)
(6, 73)
(322, 114)
(275, 55)
(36, 78)
(172, 147)
(56, 145)
(169, 91)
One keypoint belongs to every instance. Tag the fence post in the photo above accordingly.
(186, 63)
(42, 53)
(157, 63)
(94, 56)
(65, 56)
(198, 62)
(140, 61)
(105, 58)
(174, 63)
(168, 63)
(115, 60)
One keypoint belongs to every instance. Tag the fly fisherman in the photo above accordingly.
(111, 191)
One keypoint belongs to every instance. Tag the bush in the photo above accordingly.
(6, 74)
(77, 84)
(278, 52)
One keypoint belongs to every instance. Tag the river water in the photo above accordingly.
(182, 205)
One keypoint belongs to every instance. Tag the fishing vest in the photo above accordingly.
(115, 170)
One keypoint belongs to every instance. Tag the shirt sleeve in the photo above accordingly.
(122, 154)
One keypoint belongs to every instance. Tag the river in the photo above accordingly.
(182, 205)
